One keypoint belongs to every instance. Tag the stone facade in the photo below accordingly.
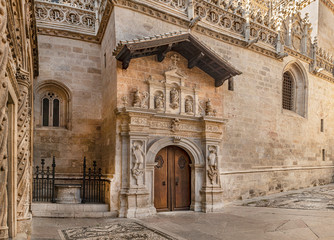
(241, 141)
(72, 70)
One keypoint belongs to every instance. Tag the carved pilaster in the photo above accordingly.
(134, 194)
(24, 147)
(3, 123)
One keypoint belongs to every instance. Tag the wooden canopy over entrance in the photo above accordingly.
(197, 53)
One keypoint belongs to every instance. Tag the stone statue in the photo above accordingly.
(144, 100)
(140, 100)
(174, 98)
(138, 156)
(212, 158)
(188, 106)
(138, 161)
(213, 165)
(208, 109)
(136, 99)
(159, 101)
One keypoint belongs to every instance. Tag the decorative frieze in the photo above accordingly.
(70, 15)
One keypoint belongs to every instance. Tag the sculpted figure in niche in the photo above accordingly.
(189, 106)
(138, 155)
(140, 100)
(174, 98)
(159, 101)
(136, 99)
(208, 109)
(138, 161)
(213, 165)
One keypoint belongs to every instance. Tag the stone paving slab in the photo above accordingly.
(234, 222)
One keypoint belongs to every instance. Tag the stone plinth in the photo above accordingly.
(68, 193)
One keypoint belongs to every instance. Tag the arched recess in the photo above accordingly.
(300, 79)
(64, 95)
(197, 168)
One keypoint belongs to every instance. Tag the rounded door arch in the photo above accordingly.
(172, 179)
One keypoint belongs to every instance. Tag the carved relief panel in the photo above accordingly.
(212, 163)
(137, 162)
(171, 95)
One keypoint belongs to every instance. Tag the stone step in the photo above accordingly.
(72, 210)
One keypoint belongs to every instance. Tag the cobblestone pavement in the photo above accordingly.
(309, 218)
(317, 198)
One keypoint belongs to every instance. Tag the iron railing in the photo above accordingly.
(92, 185)
(44, 183)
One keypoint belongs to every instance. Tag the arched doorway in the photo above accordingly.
(172, 180)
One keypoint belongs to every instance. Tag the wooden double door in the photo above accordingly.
(172, 180)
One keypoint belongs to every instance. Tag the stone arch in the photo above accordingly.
(300, 78)
(197, 167)
(190, 147)
(63, 92)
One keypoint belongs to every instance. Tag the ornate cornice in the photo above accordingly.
(67, 34)
(62, 15)
(297, 54)
(46, 29)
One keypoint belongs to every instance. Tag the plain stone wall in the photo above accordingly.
(265, 149)
(109, 95)
(321, 18)
(77, 65)
(326, 27)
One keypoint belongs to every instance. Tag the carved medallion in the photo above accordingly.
(160, 161)
(182, 162)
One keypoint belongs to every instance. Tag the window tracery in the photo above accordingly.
(51, 109)
(53, 105)
(288, 91)
(295, 89)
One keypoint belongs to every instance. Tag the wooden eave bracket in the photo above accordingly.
(161, 46)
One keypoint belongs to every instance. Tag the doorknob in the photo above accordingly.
(176, 181)
(163, 183)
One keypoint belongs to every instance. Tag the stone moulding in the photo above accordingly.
(275, 169)
(152, 121)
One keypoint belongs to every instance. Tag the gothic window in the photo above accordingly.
(288, 91)
(295, 89)
(53, 105)
(50, 110)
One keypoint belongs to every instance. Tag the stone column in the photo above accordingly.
(212, 193)
(3, 122)
(23, 156)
